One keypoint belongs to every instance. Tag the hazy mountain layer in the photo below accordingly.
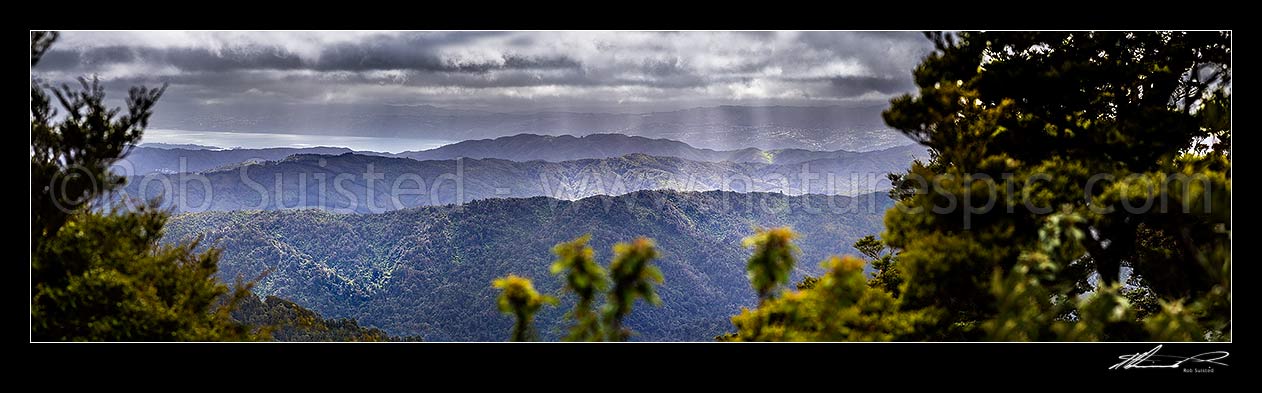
(143, 160)
(189, 146)
(366, 184)
(524, 147)
(527, 147)
(723, 127)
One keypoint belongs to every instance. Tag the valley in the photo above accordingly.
(427, 271)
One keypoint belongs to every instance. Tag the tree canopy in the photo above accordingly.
(519, 298)
(98, 272)
(1079, 189)
(586, 279)
(632, 272)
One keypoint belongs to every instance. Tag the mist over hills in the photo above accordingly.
(146, 159)
(723, 127)
(527, 147)
(522, 147)
(427, 271)
(366, 184)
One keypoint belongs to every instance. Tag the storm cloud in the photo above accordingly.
(502, 71)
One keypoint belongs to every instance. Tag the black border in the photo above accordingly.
(777, 362)
(634, 16)
(783, 363)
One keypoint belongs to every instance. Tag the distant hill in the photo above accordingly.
(146, 159)
(855, 128)
(340, 182)
(187, 146)
(527, 147)
(522, 147)
(428, 271)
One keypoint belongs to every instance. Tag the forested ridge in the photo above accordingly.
(426, 271)
(284, 320)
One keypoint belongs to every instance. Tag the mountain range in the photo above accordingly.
(722, 127)
(145, 159)
(530, 147)
(360, 183)
(427, 271)
(408, 243)
(523, 147)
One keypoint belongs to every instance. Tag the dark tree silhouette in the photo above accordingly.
(98, 272)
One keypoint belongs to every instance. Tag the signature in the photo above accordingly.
(1151, 359)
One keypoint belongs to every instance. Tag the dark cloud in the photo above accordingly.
(885, 53)
(508, 70)
(342, 57)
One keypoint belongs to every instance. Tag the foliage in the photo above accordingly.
(104, 278)
(519, 299)
(633, 275)
(840, 307)
(772, 260)
(100, 274)
(882, 258)
(71, 155)
(286, 321)
(631, 271)
(585, 279)
(807, 282)
(1043, 179)
(1041, 197)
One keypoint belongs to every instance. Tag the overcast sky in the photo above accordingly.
(498, 71)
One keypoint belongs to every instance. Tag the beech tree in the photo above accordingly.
(585, 279)
(519, 298)
(1079, 188)
(1070, 157)
(98, 272)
